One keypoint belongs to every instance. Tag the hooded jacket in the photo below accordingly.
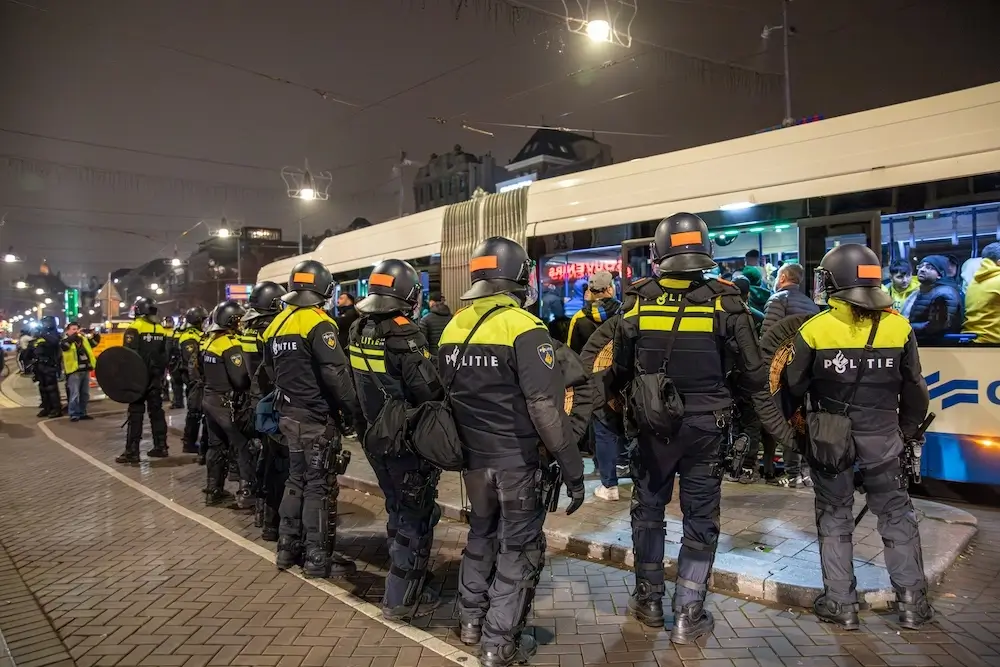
(899, 297)
(759, 294)
(982, 303)
(432, 325)
(587, 319)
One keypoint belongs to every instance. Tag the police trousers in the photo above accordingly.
(48, 388)
(409, 485)
(272, 473)
(153, 404)
(223, 439)
(897, 524)
(309, 505)
(693, 454)
(505, 552)
(177, 389)
(194, 416)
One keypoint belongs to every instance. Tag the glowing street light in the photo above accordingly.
(48, 300)
(176, 261)
(20, 284)
(10, 258)
(121, 304)
(154, 287)
(223, 233)
(599, 30)
(27, 312)
(90, 312)
(159, 290)
(39, 291)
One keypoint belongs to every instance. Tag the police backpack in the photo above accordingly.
(386, 432)
(431, 429)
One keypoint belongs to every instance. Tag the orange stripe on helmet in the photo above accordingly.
(868, 271)
(483, 263)
(381, 280)
(307, 278)
(685, 238)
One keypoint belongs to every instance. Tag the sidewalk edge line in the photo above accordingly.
(425, 639)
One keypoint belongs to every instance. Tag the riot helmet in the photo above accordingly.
(394, 285)
(143, 307)
(195, 317)
(682, 245)
(309, 284)
(49, 323)
(226, 316)
(853, 273)
(265, 299)
(502, 266)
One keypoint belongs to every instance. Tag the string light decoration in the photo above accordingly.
(602, 21)
(305, 184)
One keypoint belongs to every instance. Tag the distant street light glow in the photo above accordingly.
(121, 304)
(159, 291)
(307, 193)
(10, 258)
(154, 287)
(175, 261)
(48, 300)
(223, 233)
(599, 30)
(39, 291)
(90, 312)
(20, 284)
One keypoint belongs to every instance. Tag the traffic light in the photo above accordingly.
(72, 304)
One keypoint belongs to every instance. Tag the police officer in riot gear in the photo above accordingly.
(272, 463)
(225, 374)
(859, 360)
(175, 365)
(507, 398)
(47, 356)
(312, 375)
(149, 339)
(187, 342)
(391, 361)
(678, 338)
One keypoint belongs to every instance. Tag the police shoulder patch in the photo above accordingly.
(330, 338)
(237, 359)
(547, 354)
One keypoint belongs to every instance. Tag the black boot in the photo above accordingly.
(289, 553)
(690, 623)
(839, 613)
(159, 450)
(217, 496)
(44, 412)
(646, 604)
(914, 609)
(269, 529)
(511, 654)
(470, 632)
(244, 497)
(422, 602)
(133, 435)
(128, 457)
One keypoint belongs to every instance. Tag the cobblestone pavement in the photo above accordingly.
(123, 580)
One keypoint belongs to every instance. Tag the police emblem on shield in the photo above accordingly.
(330, 338)
(547, 354)
(236, 359)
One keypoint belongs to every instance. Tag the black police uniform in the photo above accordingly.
(272, 462)
(175, 365)
(312, 375)
(47, 357)
(188, 342)
(507, 398)
(704, 328)
(389, 357)
(149, 339)
(225, 372)
(885, 404)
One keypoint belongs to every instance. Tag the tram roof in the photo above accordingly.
(937, 138)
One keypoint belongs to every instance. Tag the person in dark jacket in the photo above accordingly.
(601, 305)
(937, 306)
(433, 323)
(788, 298)
(759, 293)
(346, 316)
(581, 391)
(744, 286)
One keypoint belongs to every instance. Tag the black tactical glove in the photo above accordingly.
(575, 490)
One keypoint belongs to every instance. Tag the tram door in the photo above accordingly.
(817, 236)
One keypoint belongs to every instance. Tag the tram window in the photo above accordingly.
(564, 279)
(942, 250)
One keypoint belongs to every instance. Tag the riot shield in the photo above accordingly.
(122, 374)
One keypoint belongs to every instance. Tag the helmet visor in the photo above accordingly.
(531, 291)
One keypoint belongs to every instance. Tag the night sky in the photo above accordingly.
(237, 89)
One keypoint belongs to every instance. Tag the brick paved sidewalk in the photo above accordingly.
(577, 614)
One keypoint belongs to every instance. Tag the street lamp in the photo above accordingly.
(154, 287)
(599, 30)
(48, 300)
(159, 291)
(20, 284)
(90, 312)
(39, 291)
